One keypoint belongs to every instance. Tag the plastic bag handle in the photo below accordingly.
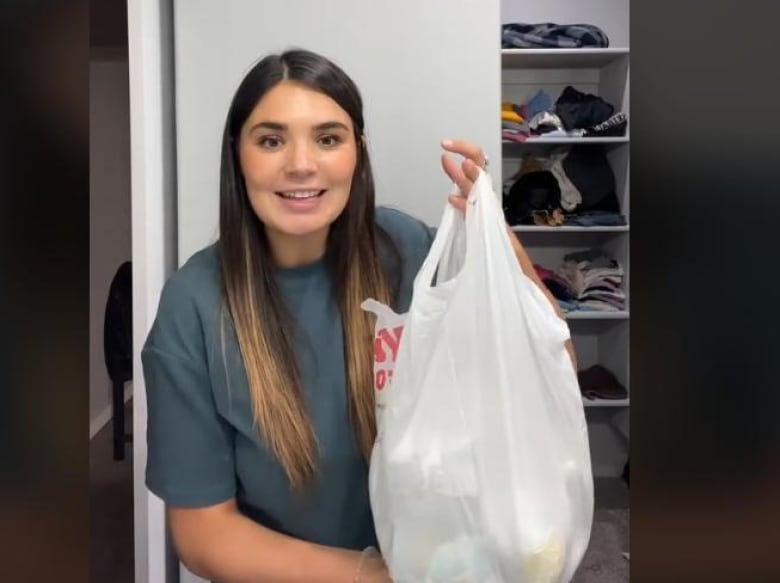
(379, 309)
(485, 218)
(486, 227)
(450, 222)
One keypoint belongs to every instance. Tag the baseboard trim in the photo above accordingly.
(102, 418)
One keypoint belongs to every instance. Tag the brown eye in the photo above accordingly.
(270, 142)
(329, 140)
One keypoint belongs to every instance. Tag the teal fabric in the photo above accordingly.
(203, 446)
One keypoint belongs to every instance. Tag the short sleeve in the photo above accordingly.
(190, 459)
(190, 448)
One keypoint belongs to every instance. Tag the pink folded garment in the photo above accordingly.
(519, 137)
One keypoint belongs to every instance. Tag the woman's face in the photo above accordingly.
(297, 153)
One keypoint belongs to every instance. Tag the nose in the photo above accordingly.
(301, 160)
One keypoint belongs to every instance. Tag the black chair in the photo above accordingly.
(118, 349)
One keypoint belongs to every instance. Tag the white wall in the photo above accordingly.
(109, 207)
(611, 16)
(427, 71)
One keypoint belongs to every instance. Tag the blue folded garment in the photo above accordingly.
(541, 101)
(520, 35)
(594, 219)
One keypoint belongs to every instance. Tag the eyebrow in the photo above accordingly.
(280, 127)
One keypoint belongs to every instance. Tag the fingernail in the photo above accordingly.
(446, 143)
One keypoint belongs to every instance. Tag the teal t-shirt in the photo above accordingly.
(203, 444)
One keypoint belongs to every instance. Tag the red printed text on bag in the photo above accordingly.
(385, 352)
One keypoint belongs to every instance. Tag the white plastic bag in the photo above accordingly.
(481, 471)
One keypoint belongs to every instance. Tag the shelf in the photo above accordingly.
(605, 402)
(569, 229)
(596, 315)
(511, 149)
(600, 336)
(560, 58)
(568, 140)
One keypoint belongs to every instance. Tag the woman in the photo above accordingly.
(258, 366)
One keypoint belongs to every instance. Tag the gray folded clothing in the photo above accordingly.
(598, 382)
(591, 255)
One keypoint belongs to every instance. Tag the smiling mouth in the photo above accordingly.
(300, 194)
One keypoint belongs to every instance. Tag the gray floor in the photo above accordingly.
(604, 561)
(111, 521)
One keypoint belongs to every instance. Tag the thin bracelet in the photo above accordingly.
(367, 552)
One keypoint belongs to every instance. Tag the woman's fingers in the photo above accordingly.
(465, 149)
(465, 174)
(456, 174)
(458, 201)
(471, 170)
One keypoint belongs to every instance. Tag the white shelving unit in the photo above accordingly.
(568, 141)
(605, 402)
(597, 315)
(599, 337)
(560, 58)
(569, 229)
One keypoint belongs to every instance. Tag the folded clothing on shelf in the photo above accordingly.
(598, 382)
(559, 286)
(589, 170)
(560, 133)
(545, 122)
(571, 197)
(515, 135)
(614, 126)
(594, 219)
(511, 115)
(567, 306)
(540, 101)
(514, 126)
(573, 114)
(579, 182)
(537, 190)
(581, 110)
(594, 257)
(586, 281)
(520, 35)
(508, 106)
(540, 199)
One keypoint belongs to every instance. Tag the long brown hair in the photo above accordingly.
(256, 310)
